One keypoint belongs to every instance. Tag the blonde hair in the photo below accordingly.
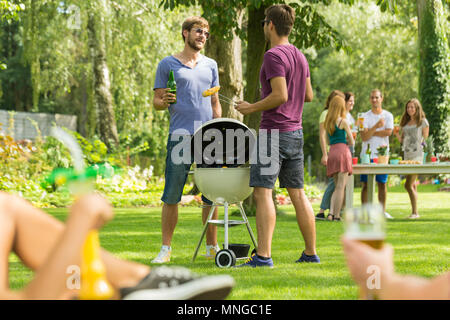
(336, 110)
(418, 116)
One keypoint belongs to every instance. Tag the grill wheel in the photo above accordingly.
(225, 258)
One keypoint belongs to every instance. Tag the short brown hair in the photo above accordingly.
(191, 21)
(282, 17)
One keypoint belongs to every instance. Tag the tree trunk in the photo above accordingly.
(83, 118)
(228, 57)
(257, 46)
(255, 53)
(102, 94)
(434, 82)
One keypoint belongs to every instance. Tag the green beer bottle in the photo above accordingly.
(172, 85)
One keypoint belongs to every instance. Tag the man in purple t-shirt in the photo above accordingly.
(286, 85)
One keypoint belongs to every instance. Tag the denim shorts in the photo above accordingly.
(286, 163)
(176, 176)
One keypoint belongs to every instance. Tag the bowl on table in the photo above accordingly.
(394, 161)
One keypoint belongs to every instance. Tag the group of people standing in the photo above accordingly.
(48, 246)
(285, 87)
(338, 129)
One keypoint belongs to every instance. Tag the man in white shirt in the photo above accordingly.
(378, 126)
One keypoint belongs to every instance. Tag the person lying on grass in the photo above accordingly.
(48, 247)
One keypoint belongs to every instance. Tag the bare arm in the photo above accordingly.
(369, 133)
(392, 286)
(414, 288)
(383, 133)
(346, 126)
(309, 91)
(216, 107)
(50, 281)
(425, 132)
(399, 136)
(277, 97)
(323, 143)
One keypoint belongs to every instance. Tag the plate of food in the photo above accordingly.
(410, 162)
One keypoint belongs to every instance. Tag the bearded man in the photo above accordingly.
(194, 73)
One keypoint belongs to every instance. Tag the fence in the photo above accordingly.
(23, 128)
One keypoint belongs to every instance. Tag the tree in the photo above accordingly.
(434, 81)
(102, 85)
(224, 52)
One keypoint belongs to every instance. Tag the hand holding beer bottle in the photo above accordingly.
(172, 88)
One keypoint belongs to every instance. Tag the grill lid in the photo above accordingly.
(222, 142)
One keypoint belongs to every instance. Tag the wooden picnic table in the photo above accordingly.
(373, 169)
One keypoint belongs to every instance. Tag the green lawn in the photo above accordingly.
(422, 247)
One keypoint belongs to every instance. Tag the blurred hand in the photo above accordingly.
(94, 208)
(244, 107)
(361, 256)
(380, 123)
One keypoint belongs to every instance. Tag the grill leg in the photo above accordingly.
(247, 224)
(204, 231)
(225, 222)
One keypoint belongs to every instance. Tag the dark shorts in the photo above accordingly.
(175, 177)
(381, 178)
(281, 158)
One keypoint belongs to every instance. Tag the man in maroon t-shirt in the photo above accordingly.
(286, 85)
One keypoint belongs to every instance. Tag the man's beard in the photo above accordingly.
(191, 43)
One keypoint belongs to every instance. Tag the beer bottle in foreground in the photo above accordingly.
(172, 85)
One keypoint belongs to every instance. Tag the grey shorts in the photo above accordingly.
(282, 159)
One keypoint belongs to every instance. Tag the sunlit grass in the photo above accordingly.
(422, 247)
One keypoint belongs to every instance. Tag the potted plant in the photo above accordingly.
(383, 156)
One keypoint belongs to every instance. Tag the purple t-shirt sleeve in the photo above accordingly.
(274, 66)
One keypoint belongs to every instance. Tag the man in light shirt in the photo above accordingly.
(378, 126)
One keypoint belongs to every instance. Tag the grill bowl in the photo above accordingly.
(224, 184)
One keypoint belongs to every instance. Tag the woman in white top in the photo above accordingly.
(414, 130)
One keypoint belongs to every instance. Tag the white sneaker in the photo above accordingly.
(211, 251)
(414, 216)
(388, 216)
(163, 255)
